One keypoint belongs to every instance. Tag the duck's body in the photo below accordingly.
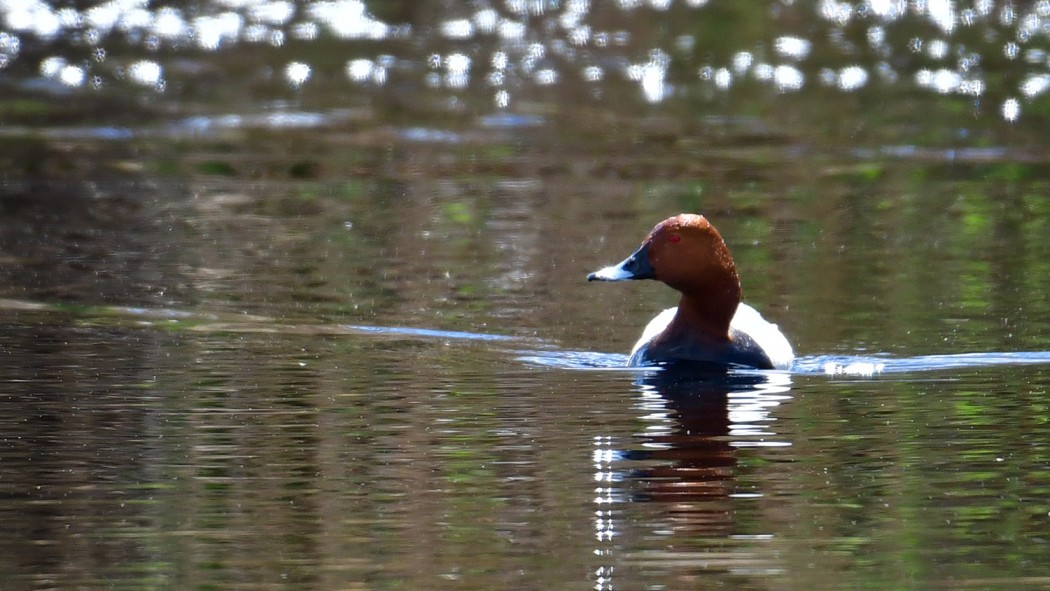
(753, 342)
(710, 326)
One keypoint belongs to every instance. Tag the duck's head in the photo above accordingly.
(687, 253)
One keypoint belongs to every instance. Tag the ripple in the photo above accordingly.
(428, 332)
(867, 366)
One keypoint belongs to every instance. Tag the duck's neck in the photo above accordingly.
(707, 317)
(709, 302)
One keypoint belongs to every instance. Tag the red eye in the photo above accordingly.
(674, 238)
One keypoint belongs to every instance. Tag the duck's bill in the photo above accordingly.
(635, 266)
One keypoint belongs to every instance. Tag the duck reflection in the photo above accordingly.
(684, 462)
(691, 444)
(688, 458)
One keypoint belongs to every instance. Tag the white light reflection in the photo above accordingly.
(500, 60)
(379, 74)
(297, 73)
(502, 99)
(793, 47)
(788, 78)
(604, 525)
(876, 37)
(256, 33)
(71, 76)
(969, 61)
(653, 86)
(852, 78)
(486, 20)
(305, 31)
(145, 73)
(32, 17)
(888, 9)
(359, 70)
(943, 81)
(942, 12)
(516, 6)
(546, 77)
(272, 13)
(212, 31)
(972, 87)
(49, 67)
(723, 79)
(858, 368)
(603, 578)
(10, 44)
(533, 55)
(136, 19)
(348, 19)
(511, 31)
(742, 60)
(651, 75)
(69, 18)
(837, 12)
(457, 29)
(749, 411)
(1011, 110)
(103, 17)
(457, 70)
(603, 457)
(1018, 28)
(169, 24)
(1029, 26)
(937, 49)
(1035, 85)
(580, 35)
(1007, 16)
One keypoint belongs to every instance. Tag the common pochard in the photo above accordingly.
(710, 325)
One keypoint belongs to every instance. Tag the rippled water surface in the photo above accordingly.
(293, 296)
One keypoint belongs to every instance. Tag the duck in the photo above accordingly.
(710, 327)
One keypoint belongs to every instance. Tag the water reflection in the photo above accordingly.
(80, 455)
(685, 461)
(989, 52)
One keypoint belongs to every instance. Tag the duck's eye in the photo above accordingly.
(674, 238)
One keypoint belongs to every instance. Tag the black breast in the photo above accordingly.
(741, 351)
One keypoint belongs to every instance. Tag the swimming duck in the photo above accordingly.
(710, 325)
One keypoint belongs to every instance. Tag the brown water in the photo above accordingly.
(343, 339)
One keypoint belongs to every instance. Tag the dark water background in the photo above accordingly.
(292, 295)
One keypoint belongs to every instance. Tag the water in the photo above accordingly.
(249, 452)
(271, 327)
